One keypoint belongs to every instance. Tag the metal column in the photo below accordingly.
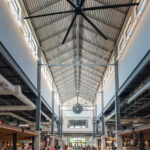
(61, 123)
(141, 141)
(94, 121)
(117, 100)
(96, 133)
(38, 104)
(32, 142)
(52, 123)
(38, 101)
(14, 141)
(94, 129)
(102, 112)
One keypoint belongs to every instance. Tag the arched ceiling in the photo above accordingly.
(83, 43)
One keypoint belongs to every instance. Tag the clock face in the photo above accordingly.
(77, 108)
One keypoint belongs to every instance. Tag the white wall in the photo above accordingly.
(136, 48)
(69, 115)
(98, 103)
(109, 90)
(12, 38)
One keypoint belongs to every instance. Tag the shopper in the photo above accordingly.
(137, 148)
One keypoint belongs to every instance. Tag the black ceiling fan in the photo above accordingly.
(78, 10)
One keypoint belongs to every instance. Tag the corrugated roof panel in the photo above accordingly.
(92, 47)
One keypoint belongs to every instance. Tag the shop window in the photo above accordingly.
(34, 48)
(139, 9)
(78, 124)
(27, 33)
(128, 29)
(15, 9)
(121, 45)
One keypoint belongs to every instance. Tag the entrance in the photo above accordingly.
(78, 142)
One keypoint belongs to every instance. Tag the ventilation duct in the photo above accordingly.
(6, 88)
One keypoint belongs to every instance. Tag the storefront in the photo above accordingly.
(138, 137)
(11, 137)
(78, 142)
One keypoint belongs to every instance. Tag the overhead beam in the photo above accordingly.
(71, 64)
(68, 74)
(90, 77)
(93, 62)
(60, 45)
(98, 71)
(95, 55)
(84, 40)
(102, 3)
(72, 82)
(94, 32)
(62, 31)
(96, 58)
(91, 73)
(78, 52)
(98, 19)
(84, 90)
(44, 7)
(55, 34)
(65, 69)
(87, 97)
(62, 60)
(89, 84)
(62, 70)
(61, 54)
(65, 80)
(96, 46)
(83, 50)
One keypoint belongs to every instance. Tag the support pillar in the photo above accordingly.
(52, 122)
(141, 141)
(38, 103)
(94, 129)
(37, 141)
(102, 121)
(1, 144)
(52, 141)
(102, 142)
(32, 142)
(14, 141)
(119, 142)
(117, 102)
(102, 112)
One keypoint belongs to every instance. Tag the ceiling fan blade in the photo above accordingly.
(74, 18)
(110, 6)
(89, 21)
(82, 2)
(51, 14)
(73, 5)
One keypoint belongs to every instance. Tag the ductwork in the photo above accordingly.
(15, 116)
(22, 119)
(47, 117)
(107, 118)
(146, 87)
(6, 88)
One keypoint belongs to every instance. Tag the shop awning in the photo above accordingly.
(143, 129)
(6, 133)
